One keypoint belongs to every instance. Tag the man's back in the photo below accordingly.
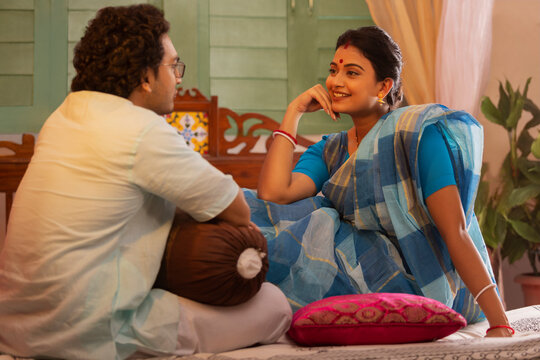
(88, 228)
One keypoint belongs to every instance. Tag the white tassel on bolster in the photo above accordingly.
(249, 263)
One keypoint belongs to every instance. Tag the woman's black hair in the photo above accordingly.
(383, 53)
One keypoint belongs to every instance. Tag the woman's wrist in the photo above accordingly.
(506, 328)
(499, 320)
(286, 135)
(290, 120)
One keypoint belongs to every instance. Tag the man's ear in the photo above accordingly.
(147, 81)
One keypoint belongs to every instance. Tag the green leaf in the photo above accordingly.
(526, 87)
(506, 171)
(517, 213)
(535, 148)
(500, 228)
(530, 169)
(504, 202)
(525, 230)
(524, 143)
(491, 112)
(482, 195)
(504, 102)
(535, 121)
(531, 107)
(488, 226)
(521, 195)
(514, 247)
(480, 203)
(516, 109)
(509, 89)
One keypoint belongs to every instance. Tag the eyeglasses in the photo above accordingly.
(178, 67)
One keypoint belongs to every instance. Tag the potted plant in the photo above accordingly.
(509, 215)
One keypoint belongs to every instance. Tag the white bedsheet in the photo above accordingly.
(468, 343)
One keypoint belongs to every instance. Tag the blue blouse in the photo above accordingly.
(434, 163)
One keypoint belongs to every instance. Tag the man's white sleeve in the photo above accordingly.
(165, 166)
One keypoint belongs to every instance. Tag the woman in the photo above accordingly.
(398, 187)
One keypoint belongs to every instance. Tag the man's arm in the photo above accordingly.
(237, 213)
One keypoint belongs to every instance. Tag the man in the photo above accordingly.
(91, 217)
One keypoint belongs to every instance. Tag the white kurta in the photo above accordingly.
(88, 230)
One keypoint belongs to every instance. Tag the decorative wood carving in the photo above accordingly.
(250, 139)
(244, 166)
(13, 167)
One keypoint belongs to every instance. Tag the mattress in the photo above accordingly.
(467, 343)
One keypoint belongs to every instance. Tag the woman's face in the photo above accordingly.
(352, 84)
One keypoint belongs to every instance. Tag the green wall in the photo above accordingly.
(255, 55)
(32, 75)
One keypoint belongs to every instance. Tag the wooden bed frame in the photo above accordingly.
(244, 165)
(13, 166)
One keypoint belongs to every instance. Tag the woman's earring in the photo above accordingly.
(380, 99)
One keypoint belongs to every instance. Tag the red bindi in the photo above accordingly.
(341, 61)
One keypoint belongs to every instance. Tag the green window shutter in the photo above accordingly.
(248, 55)
(33, 39)
(264, 53)
(17, 49)
(37, 38)
(256, 55)
(312, 38)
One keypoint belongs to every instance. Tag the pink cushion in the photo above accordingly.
(378, 318)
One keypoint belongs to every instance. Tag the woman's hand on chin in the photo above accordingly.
(314, 99)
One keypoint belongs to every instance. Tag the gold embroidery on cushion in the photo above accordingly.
(454, 317)
(436, 308)
(437, 319)
(346, 320)
(369, 314)
(415, 314)
(347, 307)
(304, 322)
(323, 317)
(393, 304)
(393, 318)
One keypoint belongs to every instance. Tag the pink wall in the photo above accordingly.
(515, 56)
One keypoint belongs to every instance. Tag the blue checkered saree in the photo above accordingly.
(371, 231)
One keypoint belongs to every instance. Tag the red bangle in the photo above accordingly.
(287, 135)
(501, 326)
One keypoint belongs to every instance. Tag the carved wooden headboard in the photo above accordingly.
(232, 154)
(13, 166)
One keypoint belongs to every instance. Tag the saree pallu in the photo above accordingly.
(371, 231)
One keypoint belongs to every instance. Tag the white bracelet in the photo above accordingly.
(285, 136)
(482, 291)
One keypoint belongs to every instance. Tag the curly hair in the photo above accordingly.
(118, 46)
(383, 53)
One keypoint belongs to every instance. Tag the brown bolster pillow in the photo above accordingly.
(214, 262)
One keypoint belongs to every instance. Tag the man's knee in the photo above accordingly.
(278, 313)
